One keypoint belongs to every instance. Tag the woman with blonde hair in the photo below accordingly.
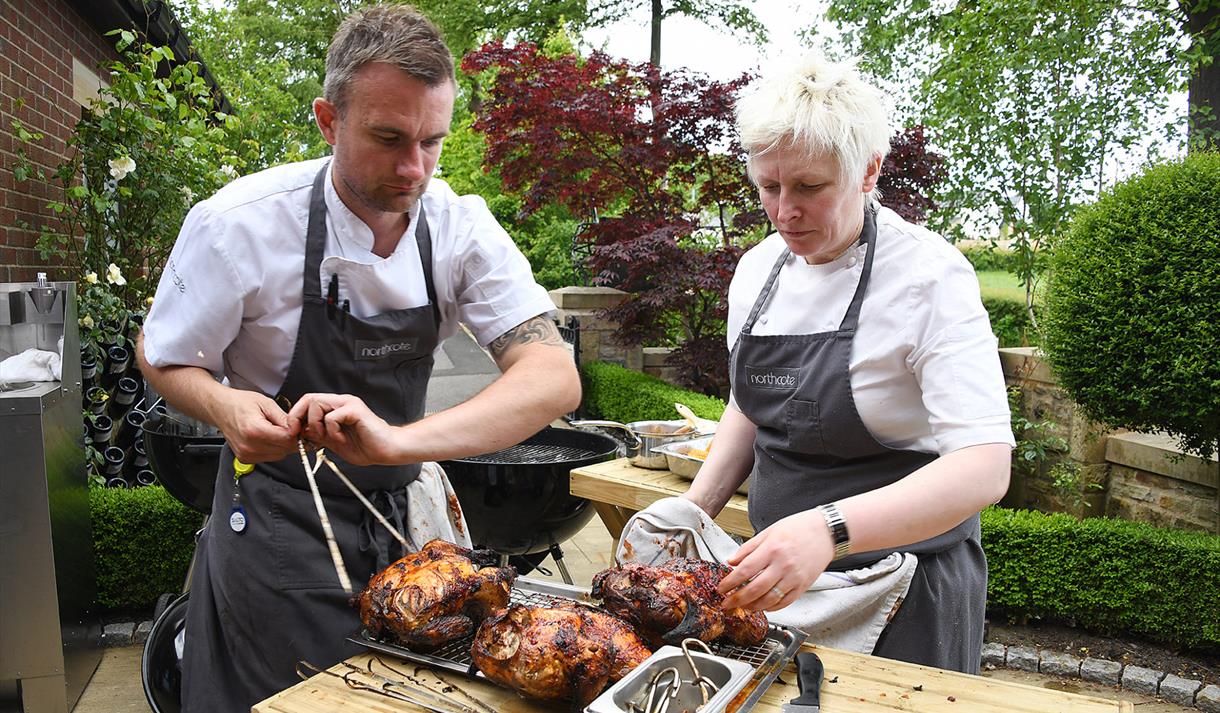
(868, 408)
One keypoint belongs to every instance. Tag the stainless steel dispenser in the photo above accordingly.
(49, 638)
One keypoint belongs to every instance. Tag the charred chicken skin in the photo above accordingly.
(677, 600)
(436, 595)
(565, 652)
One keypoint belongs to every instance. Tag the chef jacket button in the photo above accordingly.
(851, 262)
(763, 319)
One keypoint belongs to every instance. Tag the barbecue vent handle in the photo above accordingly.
(633, 441)
(203, 450)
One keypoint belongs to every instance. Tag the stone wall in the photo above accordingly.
(596, 333)
(1133, 476)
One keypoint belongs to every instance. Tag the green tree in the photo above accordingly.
(732, 15)
(1028, 99)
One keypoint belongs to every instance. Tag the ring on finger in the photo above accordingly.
(778, 593)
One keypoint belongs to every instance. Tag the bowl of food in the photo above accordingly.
(684, 458)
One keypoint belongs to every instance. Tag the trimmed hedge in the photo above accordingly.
(619, 394)
(1105, 575)
(1132, 318)
(143, 540)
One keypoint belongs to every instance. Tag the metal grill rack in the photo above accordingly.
(532, 454)
(767, 658)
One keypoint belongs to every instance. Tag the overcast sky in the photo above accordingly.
(713, 51)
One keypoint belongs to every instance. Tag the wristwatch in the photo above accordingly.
(838, 529)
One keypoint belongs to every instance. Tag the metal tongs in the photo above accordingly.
(401, 690)
(667, 683)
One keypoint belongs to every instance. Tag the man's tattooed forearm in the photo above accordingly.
(537, 329)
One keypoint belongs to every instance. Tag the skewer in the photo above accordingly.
(335, 557)
(360, 496)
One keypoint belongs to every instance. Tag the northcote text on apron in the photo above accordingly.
(812, 448)
(266, 597)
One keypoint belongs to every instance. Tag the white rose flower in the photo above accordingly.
(120, 167)
(91, 277)
(187, 194)
(228, 172)
(86, 322)
(114, 276)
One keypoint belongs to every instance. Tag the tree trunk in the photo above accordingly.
(657, 13)
(1203, 90)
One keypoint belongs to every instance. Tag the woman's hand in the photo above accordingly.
(344, 425)
(778, 564)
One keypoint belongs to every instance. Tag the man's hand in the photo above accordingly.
(346, 426)
(777, 565)
(256, 428)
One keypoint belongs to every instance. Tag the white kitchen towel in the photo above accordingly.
(30, 365)
(844, 610)
(432, 509)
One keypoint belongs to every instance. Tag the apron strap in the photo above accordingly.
(315, 235)
(868, 237)
(372, 534)
(765, 293)
(423, 241)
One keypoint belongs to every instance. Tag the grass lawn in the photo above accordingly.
(1001, 284)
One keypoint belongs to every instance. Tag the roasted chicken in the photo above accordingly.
(436, 595)
(565, 652)
(677, 600)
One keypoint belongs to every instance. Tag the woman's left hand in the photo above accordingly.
(778, 564)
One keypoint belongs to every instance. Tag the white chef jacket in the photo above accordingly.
(925, 369)
(229, 300)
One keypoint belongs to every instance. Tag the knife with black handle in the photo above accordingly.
(809, 680)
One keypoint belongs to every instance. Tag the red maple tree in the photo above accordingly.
(651, 159)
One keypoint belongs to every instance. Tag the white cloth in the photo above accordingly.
(431, 514)
(31, 365)
(845, 610)
(925, 370)
(229, 300)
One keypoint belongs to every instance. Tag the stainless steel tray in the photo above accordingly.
(767, 659)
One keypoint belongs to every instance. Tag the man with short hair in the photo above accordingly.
(339, 276)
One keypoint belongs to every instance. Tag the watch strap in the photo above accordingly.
(837, 525)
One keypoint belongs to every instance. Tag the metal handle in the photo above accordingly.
(202, 450)
(633, 441)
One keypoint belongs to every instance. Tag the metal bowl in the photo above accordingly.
(680, 461)
(643, 437)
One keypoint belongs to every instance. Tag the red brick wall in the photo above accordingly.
(38, 39)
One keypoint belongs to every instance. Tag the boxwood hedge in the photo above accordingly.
(618, 394)
(1105, 575)
(143, 540)
(1132, 314)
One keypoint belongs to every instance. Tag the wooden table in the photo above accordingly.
(855, 683)
(619, 490)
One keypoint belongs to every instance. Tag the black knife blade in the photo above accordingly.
(809, 672)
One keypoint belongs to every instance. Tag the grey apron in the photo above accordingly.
(812, 448)
(266, 597)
